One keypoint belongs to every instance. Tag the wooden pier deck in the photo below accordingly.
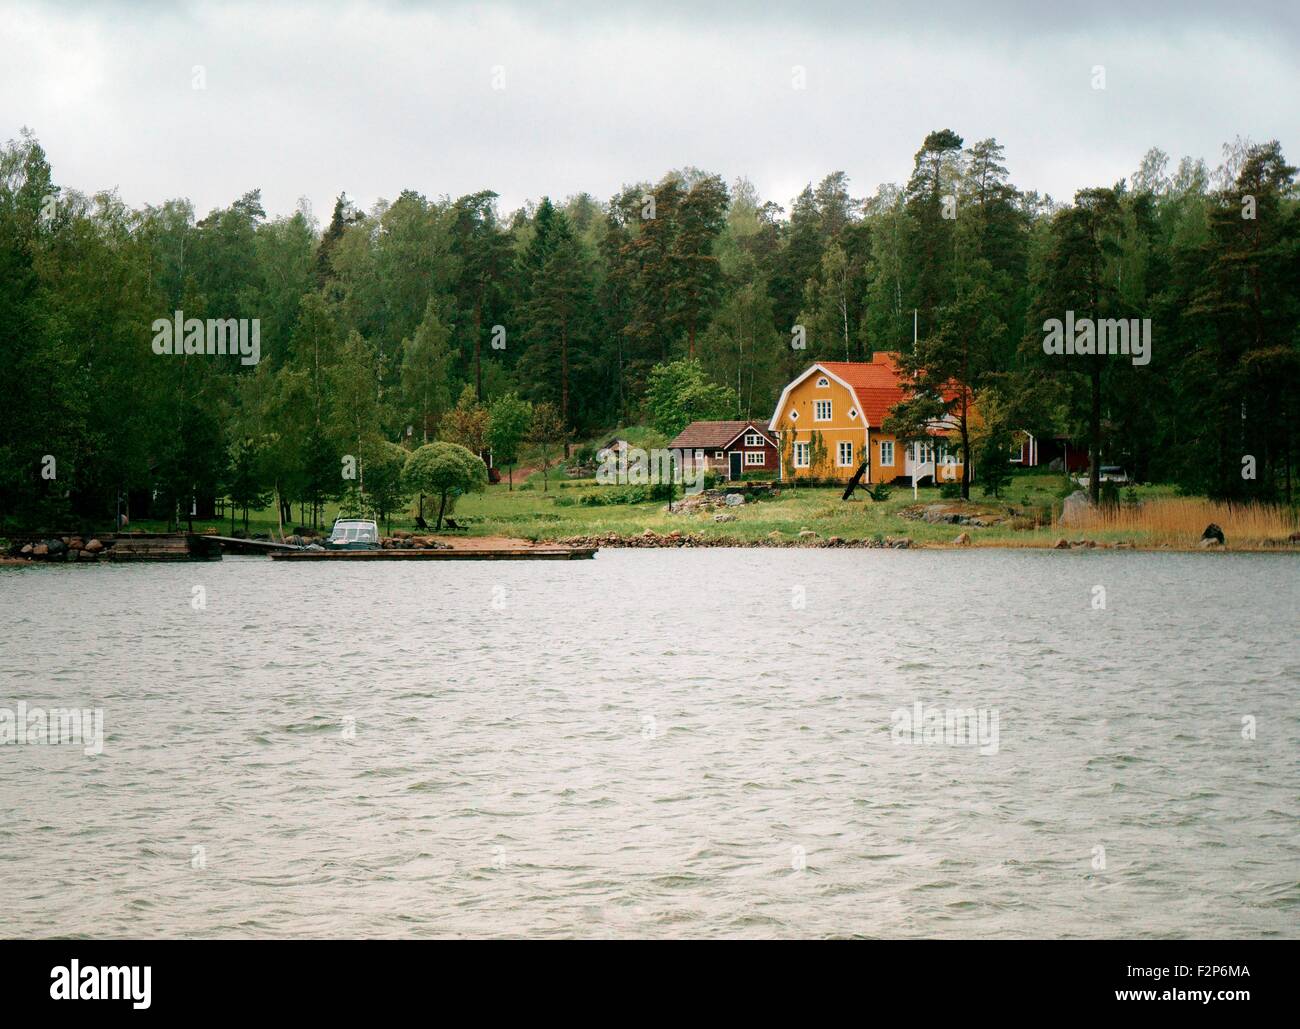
(453, 554)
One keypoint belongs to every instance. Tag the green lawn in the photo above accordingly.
(558, 513)
(530, 512)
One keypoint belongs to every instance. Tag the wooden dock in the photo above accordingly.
(453, 554)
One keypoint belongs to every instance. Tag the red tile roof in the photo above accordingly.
(713, 434)
(876, 383)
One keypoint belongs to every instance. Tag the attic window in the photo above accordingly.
(823, 381)
(853, 414)
(794, 416)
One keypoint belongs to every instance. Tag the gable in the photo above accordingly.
(818, 382)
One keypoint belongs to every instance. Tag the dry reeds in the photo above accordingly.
(1181, 520)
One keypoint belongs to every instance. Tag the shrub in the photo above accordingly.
(446, 471)
(631, 494)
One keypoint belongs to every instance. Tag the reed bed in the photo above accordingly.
(1181, 520)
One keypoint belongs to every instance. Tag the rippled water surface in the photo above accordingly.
(657, 743)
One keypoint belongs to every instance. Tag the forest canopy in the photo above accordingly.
(406, 322)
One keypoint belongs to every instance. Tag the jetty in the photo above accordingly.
(499, 553)
(186, 546)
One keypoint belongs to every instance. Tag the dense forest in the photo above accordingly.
(405, 323)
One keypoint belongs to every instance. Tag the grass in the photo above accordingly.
(1161, 519)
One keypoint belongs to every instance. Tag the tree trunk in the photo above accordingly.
(442, 506)
(965, 457)
(478, 364)
(1094, 434)
(564, 375)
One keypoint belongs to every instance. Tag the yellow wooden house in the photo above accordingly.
(830, 416)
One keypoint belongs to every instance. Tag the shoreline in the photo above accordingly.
(650, 540)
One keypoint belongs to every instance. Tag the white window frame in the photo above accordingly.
(804, 451)
(823, 383)
(823, 405)
(718, 455)
(887, 453)
(839, 453)
(754, 457)
(754, 439)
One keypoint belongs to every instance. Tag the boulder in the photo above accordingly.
(55, 547)
(963, 539)
(1213, 532)
(401, 534)
(805, 534)
(1075, 508)
(27, 549)
(94, 546)
(734, 499)
(40, 550)
(1209, 543)
(1061, 544)
(1294, 537)
(724, 517)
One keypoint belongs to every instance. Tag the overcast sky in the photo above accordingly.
(310, 99)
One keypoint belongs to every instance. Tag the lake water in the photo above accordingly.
(659, 743)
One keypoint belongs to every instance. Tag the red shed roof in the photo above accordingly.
(713, 434)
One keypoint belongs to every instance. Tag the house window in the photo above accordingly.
(822, 410)
(801, 455)
(845, 454)
(753, 457)
(853, 413)
(717, 454)
(823, 382)
(753, 439)
(794, 416)
(887, 452)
